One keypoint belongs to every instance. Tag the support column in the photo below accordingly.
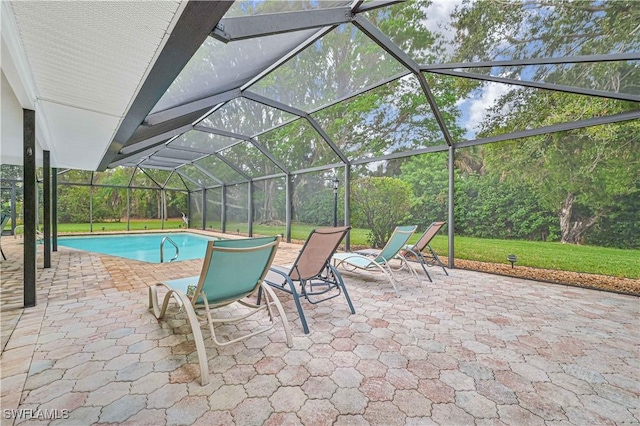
(91, 208)
(163, 206)
(46, 185)
(54, 208)
(289, 206)
(13, 208)
(347, 204)
(250, 208)
(128, 209)
(450, 223)
(188, 209)
(223, 214)
(204, 209)
(30, 206)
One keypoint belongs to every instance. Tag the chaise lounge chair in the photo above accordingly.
(232, 271)
(3, 222)
(313, 272)
(416, 252)
(378, 260)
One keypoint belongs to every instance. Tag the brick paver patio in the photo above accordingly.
(467, 349)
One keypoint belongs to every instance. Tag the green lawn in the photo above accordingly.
(134, 225)
(564, 257)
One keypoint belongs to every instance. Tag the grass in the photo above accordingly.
(134, 225)
(563, 257)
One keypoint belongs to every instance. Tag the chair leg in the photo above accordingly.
(437, 259)
(3, 256)
(283, 316)
(193, 321)
(296, 299)
(423, 263)
(389, 273)
(340, 282)
(404, 261)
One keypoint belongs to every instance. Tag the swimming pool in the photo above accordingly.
(145, 247)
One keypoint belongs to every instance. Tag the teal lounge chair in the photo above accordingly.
(232, 271)
(378, 260)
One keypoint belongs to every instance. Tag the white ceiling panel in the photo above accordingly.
(80, 65)
(77, 137)
(95, 64)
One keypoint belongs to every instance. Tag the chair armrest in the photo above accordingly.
(279, 272)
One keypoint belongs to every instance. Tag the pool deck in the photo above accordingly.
(468, 349)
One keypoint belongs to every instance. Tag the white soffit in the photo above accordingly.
(77, 135)
(88, 60)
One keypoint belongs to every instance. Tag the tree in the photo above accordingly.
(581, 174)
(497, 29)
(380, 204)
(428, 176)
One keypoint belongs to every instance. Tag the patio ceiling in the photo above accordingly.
(89, 68)
(215, 94)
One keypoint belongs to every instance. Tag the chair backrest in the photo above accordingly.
(397, 240)
(428, 235)
(317, 252)
(233, 269)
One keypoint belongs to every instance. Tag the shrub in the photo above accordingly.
(380, 204)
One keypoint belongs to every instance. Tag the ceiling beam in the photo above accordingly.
(191, 30)
(376, 4)
(199, 105)
(535, 61)
(207, 173)
(184, 176)
(246, 27)
(232, 166)
(391, 48)
(562, 127)
(542, 85)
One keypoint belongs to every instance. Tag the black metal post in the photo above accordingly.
(91, 207)
(54, 208)
(450, 225)
(289, 206)
(163, 202)
(30, 206)
(223, 215)
(13, 208)
(128, 209)
(250, 209)
(188, 209)
(204, 209)
(336, 182)
(347, 204)
(46, 185)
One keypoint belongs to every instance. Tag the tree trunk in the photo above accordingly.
(572, 231)
(267, 209)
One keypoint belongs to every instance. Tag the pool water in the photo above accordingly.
(145, 247)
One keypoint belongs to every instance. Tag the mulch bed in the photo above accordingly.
(578, 279)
